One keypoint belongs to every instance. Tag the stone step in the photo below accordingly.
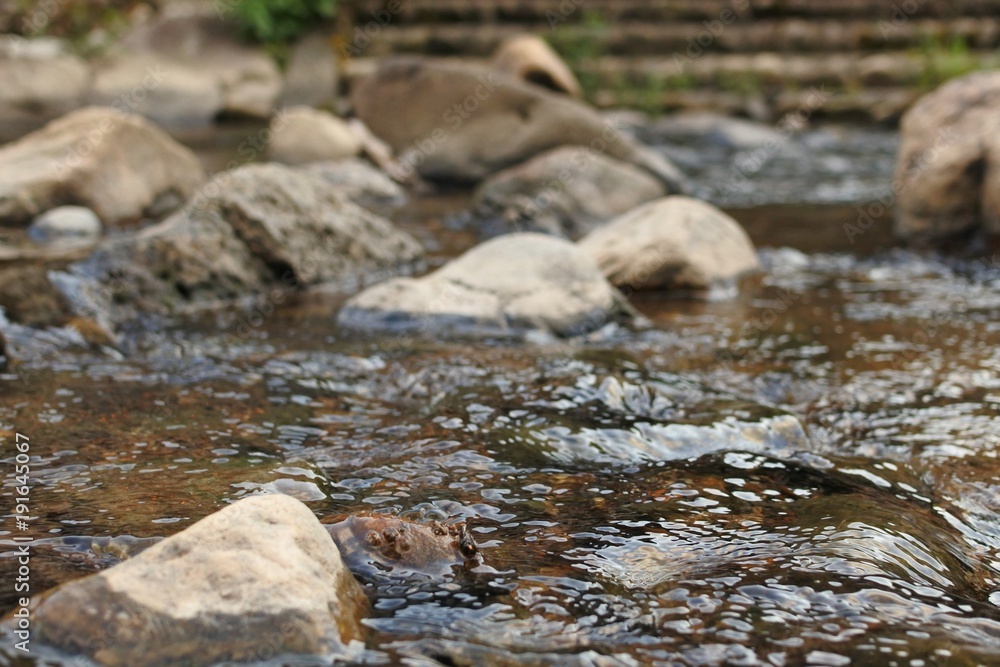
(575, 11)
(782, 70)
(643, 38)
(884, 105)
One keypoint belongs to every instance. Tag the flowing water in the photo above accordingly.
(805, 474)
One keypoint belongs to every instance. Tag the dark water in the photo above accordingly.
(804, 475)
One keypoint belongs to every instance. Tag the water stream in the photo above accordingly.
(805, 474)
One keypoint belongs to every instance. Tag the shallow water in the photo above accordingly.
(805, 474)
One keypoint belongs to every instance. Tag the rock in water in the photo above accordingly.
(258, 227)
(947, 177)
(512, 284)
(373, 545)
(65, 223)
(118, 165)
(301, 135)
(567, 191)
(672, 243)
(530, 58)
(257, 579)
(465, 122)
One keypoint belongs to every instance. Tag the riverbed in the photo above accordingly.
(804, 473)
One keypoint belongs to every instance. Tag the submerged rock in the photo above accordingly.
(301, 135)
(65, 224)
(464, 123)
(118, 165)
(252, 229)
(567, 191)
(712, 128)
(259, 578)
(672, 243)
(509, 285)
(529, 57)
(948, 170)
(374, 545)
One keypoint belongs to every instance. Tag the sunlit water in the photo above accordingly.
(805, 474)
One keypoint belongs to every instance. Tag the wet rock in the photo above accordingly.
(258, 578)
(947, 178)
(374, 545)
(29, 298)
(712, 128)
(120, 166)
(567, 191)
(530, 58)
(166, 91)
(311, 75)
(65, 223)
(464, 123)
(250, 230)
(39, 81)
(672, 243)
(192, 35)
(510, 285)
(301, 135)
(360, 182)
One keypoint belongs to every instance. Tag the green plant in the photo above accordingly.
(943, 60)
(580, 45)
(281, 21)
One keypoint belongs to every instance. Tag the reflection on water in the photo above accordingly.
(804, 475)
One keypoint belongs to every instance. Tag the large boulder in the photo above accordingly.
(301, 135)
(257, 227)
(530, 58)
(567, 191)
(947, 177)
(259, 578)
(120, 166)
(510, 285)
(672, 243)
(39, 81)
(465, 122)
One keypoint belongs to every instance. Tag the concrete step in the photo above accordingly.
(780, 70)
(574, 11)
(691, 39)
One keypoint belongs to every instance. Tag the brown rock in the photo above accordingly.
(380, 542)
(674, 243)
(947, 177)
(118, 165)
(464, 123)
